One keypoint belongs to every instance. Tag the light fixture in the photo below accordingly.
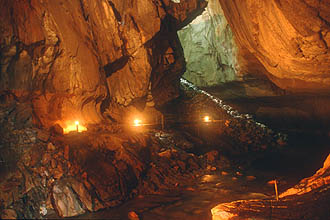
(206, 119)
(77, 125)
(137, 122)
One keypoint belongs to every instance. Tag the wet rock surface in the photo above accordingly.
(307, 200)
(65, 201)
(321, 179)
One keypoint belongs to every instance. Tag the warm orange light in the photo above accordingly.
(137, 122)
(74, 126)
(77, 125)
(206, 119)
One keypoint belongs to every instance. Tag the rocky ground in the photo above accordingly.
(89, 171)
(237, 133)
(46, 173)
(177, 173)
(305, 118)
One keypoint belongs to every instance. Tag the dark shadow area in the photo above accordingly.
(116, 65)
(303, 117)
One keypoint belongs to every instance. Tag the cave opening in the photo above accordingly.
(209, 48)
(97, 123)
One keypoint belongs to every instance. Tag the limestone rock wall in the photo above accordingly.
(289, 38)
(209, 48)
(75, 58)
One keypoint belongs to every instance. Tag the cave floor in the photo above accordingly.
(307, 148)
(221, 186)
(193, 202)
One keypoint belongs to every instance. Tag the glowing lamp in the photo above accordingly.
(137, 122)
(73, 126)
(77, 125)
(206, 119)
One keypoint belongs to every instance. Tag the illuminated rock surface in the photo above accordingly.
(307, 200)
(286, 40)
(105, 61)
(89, 171)
(74, 58)
(105, 166)
(318, 180)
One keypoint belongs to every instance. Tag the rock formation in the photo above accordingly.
(76, 59)
(286, 40)
(44, 172)
(91, 60)
(209, 48)
(306, 200)
(98, 60)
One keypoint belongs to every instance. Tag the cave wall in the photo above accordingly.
(83, 58)
(209, 48)
(288, 40)
(87, 59)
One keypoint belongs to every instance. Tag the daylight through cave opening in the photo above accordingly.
(209, 48)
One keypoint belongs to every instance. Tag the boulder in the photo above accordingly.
(65, 202)
(82, 193)
(212, 156)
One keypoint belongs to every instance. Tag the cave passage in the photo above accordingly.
(224, 180)
(120, 109)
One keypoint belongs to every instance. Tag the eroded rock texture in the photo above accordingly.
(73, 58)
(209, 48)
(287, 40)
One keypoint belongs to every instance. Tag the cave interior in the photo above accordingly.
(165, 109)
